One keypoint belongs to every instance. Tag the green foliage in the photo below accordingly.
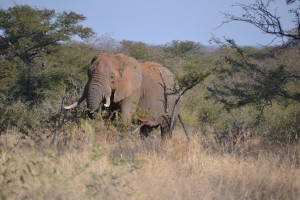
(95, 151)
(39, 66)
(181, 48)
(18, 114)
(28, 32)
(282, 122)
(246, 80)
(184, 57)
(137, 50)
(188, 81)
(262, 81)
(10, 72)
(63, 74)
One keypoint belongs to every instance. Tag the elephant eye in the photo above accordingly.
(112, 76)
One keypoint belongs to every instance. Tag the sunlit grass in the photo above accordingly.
(129, 168)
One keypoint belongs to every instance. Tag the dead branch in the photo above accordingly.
(259, 15)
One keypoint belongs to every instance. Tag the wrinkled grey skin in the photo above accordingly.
(139, 89)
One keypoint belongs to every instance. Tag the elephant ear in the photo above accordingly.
(89, 71)
(131, 78)
(93, 60)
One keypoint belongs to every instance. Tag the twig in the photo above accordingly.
(59, 122)
(183, 126)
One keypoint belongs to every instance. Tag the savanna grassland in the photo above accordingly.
(241, 111)
(83, 164)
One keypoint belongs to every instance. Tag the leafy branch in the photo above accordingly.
(260, 85)
(185, 83)
(27, 33)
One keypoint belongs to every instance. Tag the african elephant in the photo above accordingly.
(140, 89)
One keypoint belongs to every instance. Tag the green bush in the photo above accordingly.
(283, 122)
(19, 115)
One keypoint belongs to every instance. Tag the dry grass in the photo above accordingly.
(82, 165)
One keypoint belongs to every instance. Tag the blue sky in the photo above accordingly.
(161, 21)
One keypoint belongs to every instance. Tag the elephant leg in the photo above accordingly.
(127, 110)
(129, 106)
(165, 127)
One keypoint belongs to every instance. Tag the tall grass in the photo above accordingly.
(85, 164)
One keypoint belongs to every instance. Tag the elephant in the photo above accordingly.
(141, 89)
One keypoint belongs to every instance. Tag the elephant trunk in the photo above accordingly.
(99, 89)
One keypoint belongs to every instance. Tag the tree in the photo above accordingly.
(259, 15)
(263, 77)
(138, 50)
(245, 79)
(181, 48)
(27, 33)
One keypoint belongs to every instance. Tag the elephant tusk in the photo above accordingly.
(107, 103)
(77, 103)
(71, 106)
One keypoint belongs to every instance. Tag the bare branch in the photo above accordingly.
(165, 92)
(186, 83)
(258, 15)
(183, 126)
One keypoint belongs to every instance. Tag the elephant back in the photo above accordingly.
(158, 83)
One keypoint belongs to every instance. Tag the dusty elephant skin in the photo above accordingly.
(120, 82)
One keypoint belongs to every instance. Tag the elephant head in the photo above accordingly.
(111, 77)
